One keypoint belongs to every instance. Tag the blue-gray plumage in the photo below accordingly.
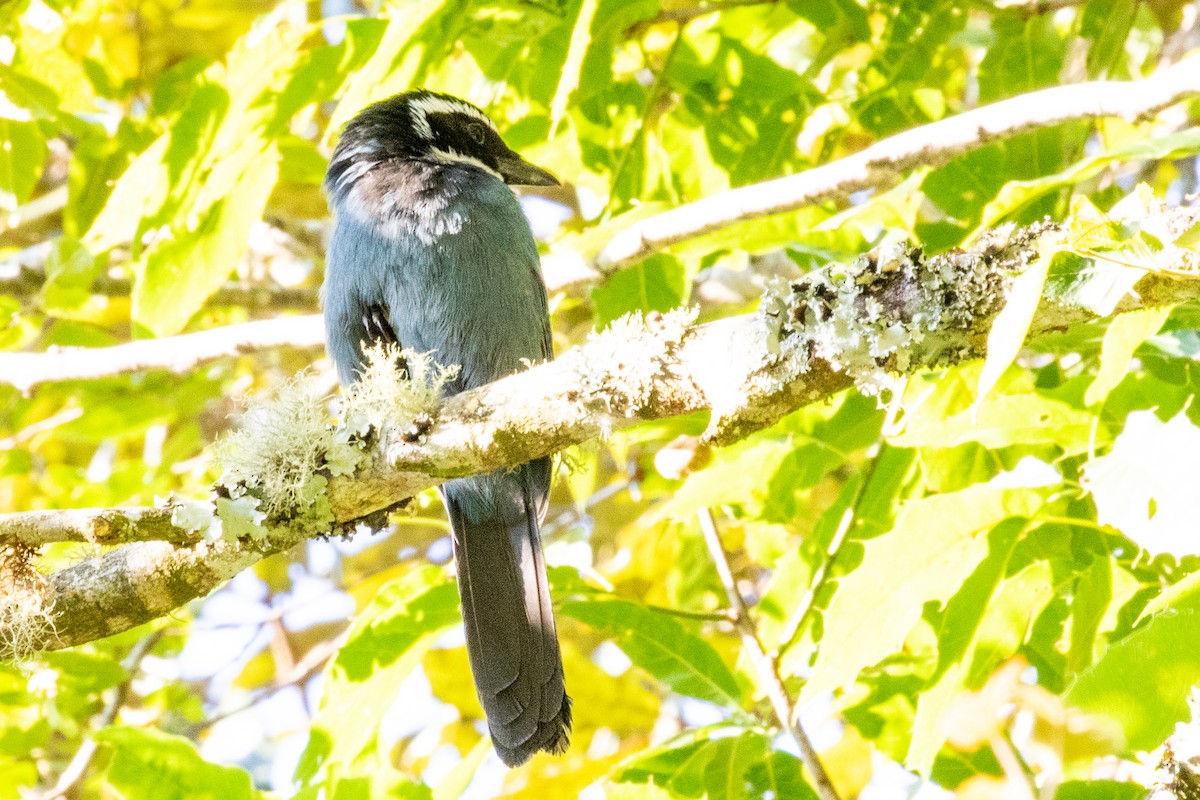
(430, 250)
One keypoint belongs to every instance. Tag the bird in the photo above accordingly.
(430, 251)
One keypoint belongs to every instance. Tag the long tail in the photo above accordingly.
(511, 638)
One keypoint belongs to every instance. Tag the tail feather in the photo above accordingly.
(511, 637)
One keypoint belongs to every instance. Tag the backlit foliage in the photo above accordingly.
(981, 578)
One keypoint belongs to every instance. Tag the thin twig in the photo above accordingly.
(37, 209)
(685, 15)
(805, 609)
(76, 771)
(821, 577)
(308, 665)
(768, 669)
(682, 613)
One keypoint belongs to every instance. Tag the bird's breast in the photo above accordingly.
(462, 280)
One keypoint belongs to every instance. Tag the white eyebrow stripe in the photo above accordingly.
(432, 104)
(452, 155)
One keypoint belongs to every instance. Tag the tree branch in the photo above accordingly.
(178, 354)
(21, 279)
(928, 145)
(747, 371)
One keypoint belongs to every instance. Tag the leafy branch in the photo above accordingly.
(882, 163)
(877, 166)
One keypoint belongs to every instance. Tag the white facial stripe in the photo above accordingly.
(354, 172)
(425, 105)
(450, 155)
(366, 148)
(432, 104)
(421, 123)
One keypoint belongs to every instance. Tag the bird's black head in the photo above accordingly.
(429, 127)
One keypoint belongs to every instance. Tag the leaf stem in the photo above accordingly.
(767, 668)
(72, 777)
(652, 96)
(804, 611)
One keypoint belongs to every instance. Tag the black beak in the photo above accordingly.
(518, 171)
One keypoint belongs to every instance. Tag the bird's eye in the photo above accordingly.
(475, 131)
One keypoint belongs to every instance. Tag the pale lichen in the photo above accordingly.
(281, 443)
(26, 621)
(382, 402)
(276, 466)
(624, 364)
(889, 312)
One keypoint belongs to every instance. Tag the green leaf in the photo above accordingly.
(394, 63)
(1026, 52)
(187, 204)
(725, 768)
(678, 768)
(18, 777)
(1123, 336)
(947, 414)
(22, 154)
(70, 271)
(740, 474)
(1016, 195)
(1100, 790)
(1145, 485)
(888, 80)
(88, 673)
(927, 556)
(149, 763)
(1004, 421)
(660, 283)
(1089, 604)
(1141, 683)
(383, 646)
(1093, 284)
(175, 278)
(1012, 323)
(580, 39)
(960, 623)
(659, 644)
(1107, 23)
(842, 23)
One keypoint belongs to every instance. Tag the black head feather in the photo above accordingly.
(431, 128)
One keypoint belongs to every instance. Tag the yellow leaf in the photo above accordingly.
(1012, 323)
(1120, 340)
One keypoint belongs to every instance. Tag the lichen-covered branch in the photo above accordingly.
(291, 475)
